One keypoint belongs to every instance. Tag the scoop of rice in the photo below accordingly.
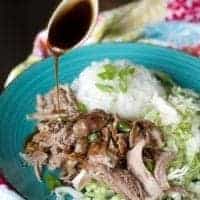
(142, 86)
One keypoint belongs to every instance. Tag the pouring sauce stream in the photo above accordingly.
(66, 31)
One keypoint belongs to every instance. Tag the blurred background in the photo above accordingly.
(20, 21)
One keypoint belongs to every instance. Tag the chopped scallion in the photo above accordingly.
(109, 73)
(51, 181)
(123, 127)
(104, 87)
(81, 107)
(93, 137)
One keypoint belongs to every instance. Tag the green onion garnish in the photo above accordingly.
(93, 137)
(111, 72)
(51, 181)
(82, 107)
(123, 127)
(104, 87)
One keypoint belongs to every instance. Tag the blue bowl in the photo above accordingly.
(19, 99)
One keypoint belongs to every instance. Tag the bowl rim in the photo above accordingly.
(99, 45)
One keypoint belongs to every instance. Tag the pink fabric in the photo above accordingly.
(2, 180)
(194, 50)
(40, 47)
(187, 10)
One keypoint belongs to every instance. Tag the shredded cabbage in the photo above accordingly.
(183, 138)
(184, 100)
(67, 193)
(173, 196)
(99, 191)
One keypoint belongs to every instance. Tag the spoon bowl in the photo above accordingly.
(71, 23)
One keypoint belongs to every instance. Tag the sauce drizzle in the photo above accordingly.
(66, 31)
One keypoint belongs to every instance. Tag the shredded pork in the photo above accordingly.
(121, 181)
(95, 145)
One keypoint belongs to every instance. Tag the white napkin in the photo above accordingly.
(7, 194)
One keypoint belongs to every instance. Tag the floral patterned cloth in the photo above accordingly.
(170, 23)
(187, 10)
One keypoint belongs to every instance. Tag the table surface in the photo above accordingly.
(19, 23)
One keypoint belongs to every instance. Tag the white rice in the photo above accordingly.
(142, 87)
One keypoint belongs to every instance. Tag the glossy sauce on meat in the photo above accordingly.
(120, 146)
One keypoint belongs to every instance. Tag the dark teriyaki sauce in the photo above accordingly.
(69, 28)
(56, 72)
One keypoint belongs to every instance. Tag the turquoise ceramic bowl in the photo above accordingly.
(18, 99)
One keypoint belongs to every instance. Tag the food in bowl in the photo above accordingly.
(123, 132)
